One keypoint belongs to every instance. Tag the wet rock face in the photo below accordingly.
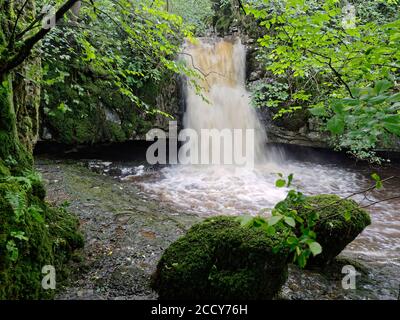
(220, 259)
(101, 115)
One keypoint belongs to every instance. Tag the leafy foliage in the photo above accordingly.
(32, 235)
(308, 43)
(126, 44)
(286, 222)
(197, 13)
(269, 94)
(359, 123)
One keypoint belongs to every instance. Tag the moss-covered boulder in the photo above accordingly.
(220, 259)
(340, 222)
(32, 235)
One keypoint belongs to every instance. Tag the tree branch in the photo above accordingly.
(379, 201)
(241, 6)
(335, 72)
(27, 46)
(365, 191)
(19, 13)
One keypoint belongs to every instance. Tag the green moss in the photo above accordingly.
(49, 237)
(333, 231)
(4, 171)
(85, 119)
(11, 148)
(38, 189)
(219, 259)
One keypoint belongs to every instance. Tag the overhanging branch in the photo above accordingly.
(26, 47)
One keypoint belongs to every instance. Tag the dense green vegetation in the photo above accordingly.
(98, 73)
(341, 66)
(32, 235)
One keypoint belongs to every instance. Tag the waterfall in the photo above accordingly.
(221, 189)
(225, 102)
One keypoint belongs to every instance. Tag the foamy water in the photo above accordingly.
(219, 190)
(240, 190)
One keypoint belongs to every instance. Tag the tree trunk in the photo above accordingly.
(12, 152)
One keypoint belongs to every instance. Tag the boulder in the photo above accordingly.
(334, 232)
(220, 259)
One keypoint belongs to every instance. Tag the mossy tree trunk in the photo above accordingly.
(12, 152)
(19, 109)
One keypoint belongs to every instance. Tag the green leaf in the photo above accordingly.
(378, 180)
(290, 221)
(301, 260)
(376, 177)
(12, 249)
(244, 220)
(258, 222)
(378, 100)
(290, 179)
(271, 230)
(35, 212)
(393, 128)
(382, 86)
(274, 220)
(394, 98)
(338, 109)
(20, 235)
(336, 125)
(345, 102)
(292, 240)
(318, 111)
(280, 183)
(315, 248)
(312, 234)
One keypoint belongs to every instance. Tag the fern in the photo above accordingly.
(24, 182)
(18, 203)
(33, 176)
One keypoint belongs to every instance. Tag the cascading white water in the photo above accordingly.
(221, 189)
(226, 105)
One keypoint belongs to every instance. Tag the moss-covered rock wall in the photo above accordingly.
(96, 112)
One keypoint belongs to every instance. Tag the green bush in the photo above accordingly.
(220, 259)
(32, 235)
